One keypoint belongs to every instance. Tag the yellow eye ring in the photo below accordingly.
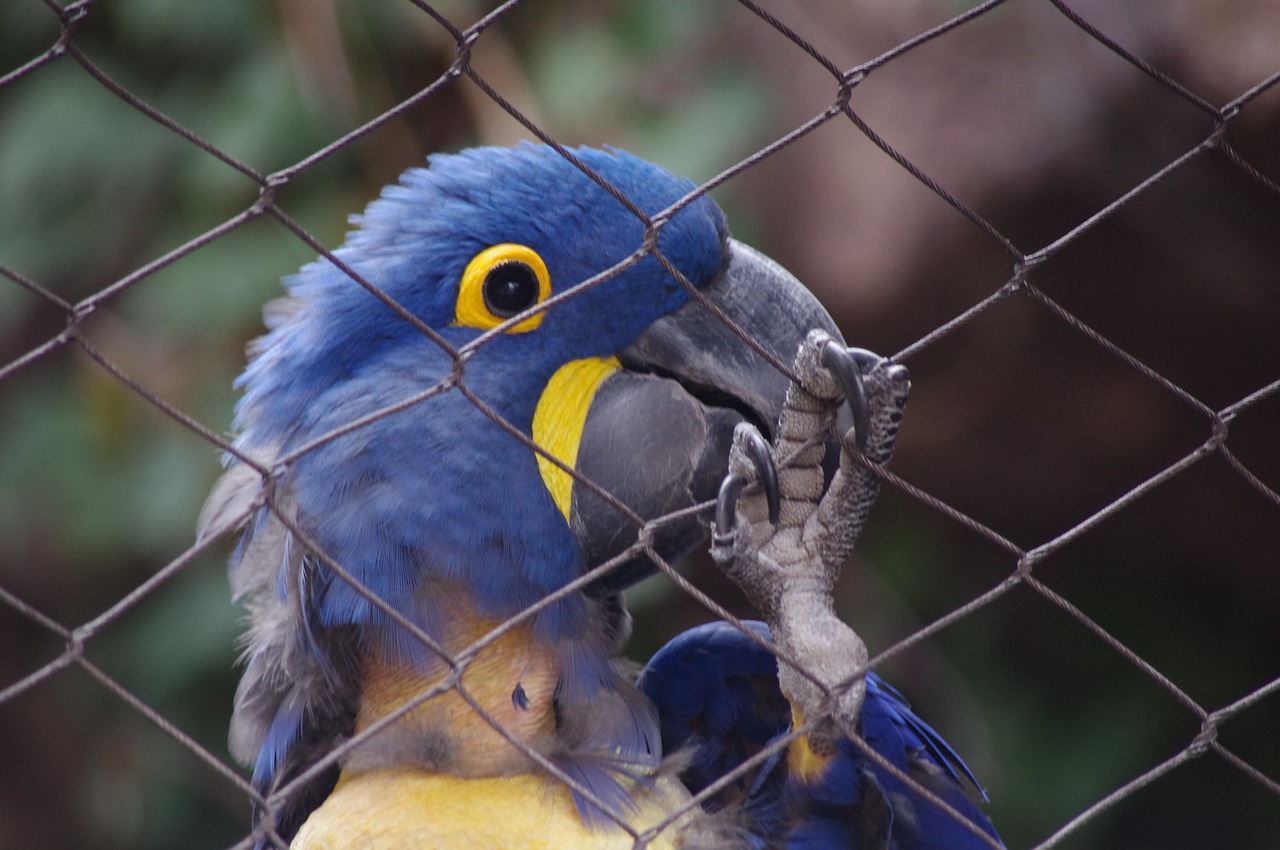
(500, 282)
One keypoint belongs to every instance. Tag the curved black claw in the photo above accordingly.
(727, 506)
(846, 364)
(766, 473)
(757, 451)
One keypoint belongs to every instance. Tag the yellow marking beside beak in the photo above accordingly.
(559, 419)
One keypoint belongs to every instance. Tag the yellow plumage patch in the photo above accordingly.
(475, 747)
(410, 809)
(493, 797)
(559, 417)
(802, 761)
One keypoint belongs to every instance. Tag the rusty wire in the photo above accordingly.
(1022, 285)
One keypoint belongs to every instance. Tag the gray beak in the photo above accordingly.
(658, 432)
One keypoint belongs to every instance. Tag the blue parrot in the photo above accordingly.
(519, 367)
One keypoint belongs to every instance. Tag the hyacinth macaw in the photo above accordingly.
(396, 514)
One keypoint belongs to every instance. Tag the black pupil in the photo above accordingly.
(510, 288)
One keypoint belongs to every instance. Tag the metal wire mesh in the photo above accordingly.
(1065, 218)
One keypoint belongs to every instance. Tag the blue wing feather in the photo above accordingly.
(718, 699)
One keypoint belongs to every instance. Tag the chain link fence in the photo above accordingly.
(1063, 217)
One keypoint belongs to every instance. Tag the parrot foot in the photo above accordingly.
(787, 559)
(847, 366)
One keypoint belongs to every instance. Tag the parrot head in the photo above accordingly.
(441, 488)
(497, 300)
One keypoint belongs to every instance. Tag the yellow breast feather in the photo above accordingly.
(409, 809)
(461, 741)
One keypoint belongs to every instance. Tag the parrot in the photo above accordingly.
(524, 382)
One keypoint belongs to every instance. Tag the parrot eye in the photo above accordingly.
(499, 283)
(510, 288)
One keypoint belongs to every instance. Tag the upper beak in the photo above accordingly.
(658, 431)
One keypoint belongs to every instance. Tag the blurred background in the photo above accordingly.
(1021, 419)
